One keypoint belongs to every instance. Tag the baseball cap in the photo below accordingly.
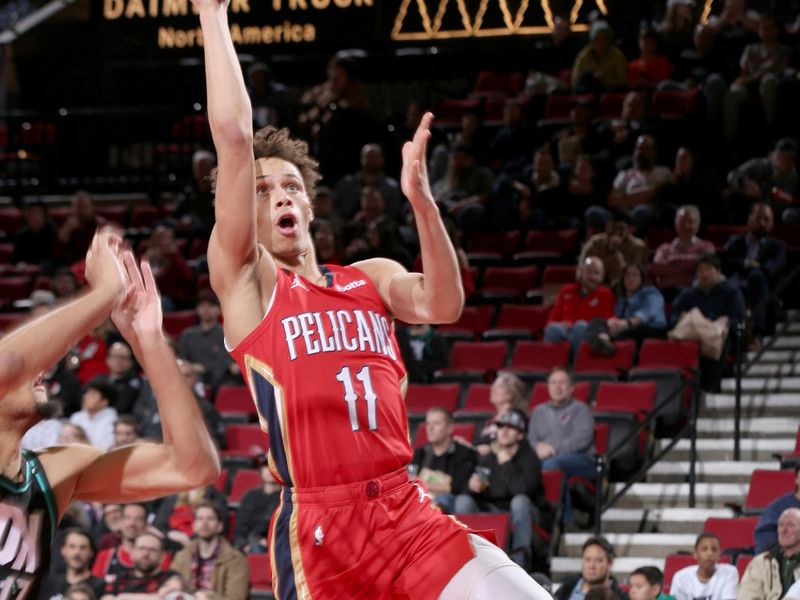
(513, 418)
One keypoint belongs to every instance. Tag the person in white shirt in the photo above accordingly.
(794, 592)
(707, 580)
(96, 416)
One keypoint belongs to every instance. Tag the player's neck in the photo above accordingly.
(304, 264)
(11, 456)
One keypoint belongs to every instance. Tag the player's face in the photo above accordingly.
(596, 565)
(206, 524)
(707, 554)
(283, 209)
(437, 428)
(559, 387)
(641, 588)
(77, 551)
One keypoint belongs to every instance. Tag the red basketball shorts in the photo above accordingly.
(377, 539)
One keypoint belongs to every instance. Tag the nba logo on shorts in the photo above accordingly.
(318, 536)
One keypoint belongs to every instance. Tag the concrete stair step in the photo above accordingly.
(753, 405)
(776, 369)
(660, 520)
(716, 471)
(763, 384)
(562, 566)
(710, 449)
(675, 495)
(776, 356)
(787, 341)
(760, 427)
(634, 544)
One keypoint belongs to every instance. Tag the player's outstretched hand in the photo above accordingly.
(104, 268)
(140, 315)
(414, 177)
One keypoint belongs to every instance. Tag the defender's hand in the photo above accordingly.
(104, 268)
(414, 176)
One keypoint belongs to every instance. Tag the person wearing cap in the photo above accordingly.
(753, 261)
(601, 65)
(509, 478)
(97, 417)
(760, 178)
(203, 345)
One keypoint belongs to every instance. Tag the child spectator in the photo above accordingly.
(647, 583)
(707, 579)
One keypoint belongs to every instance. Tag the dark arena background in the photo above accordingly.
(634, 155)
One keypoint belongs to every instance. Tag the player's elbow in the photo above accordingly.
(204, 471)
(448, 310)
(233, 134)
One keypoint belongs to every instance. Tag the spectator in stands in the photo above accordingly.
(72, 434)
(445, 463)
(63, 284)
(323, 207)
(507, 392)
(677, 27)
(173, 275)
(509, 478)
(559, 51)
(175, 514)
(618, 137)
(147, 575)
(464, 190)
(582, 191)
(651, 68)
(601, 65)
(597, 557)
(381, 239)
(580, 137)
(774, 571)
(794, 592)
(562, 433)
(90, 352)
(535, 190)
(766, 533)
(677, 258)
(35, 240)
(116, 560)
(580, 302)
(76, 233)
(125, 431)
(193, 216)
(122, 376)
(762, 65)
(371, 205)
(269, 97)
(255, 511)
(638, 313)
(736, 17)
(755, 179)
(646, 583)
(209, 562)
(97, 415)
(753, 262)
(708, 578)
(636, 189)
(77, 550)
(327, 241)
(63, 384)
(107, 530)
(348, 192)
(203, 345)
(423, 350)
(513, 142)
(691, 185)
(617, 247)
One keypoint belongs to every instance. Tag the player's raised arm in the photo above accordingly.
(39, 344)
(435, 295)
(187, 457)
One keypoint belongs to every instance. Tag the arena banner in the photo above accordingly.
(293, 25)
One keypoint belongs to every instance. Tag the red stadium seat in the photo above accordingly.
(6, 252)
(589, 362)
(245, 440)
(623, 406)
(473, 322)
(601, 433)
(243, 481)
(733, 534)
(527, 318)
(9, 320)
(477, 403)
(420, 397)
(499, 522)
(450, 112)
(669, 353)
(540, 395)
(553, 278)
(465, 431)
(176, 322)
(10, 220)
(541, 246)
(541, 356)
(15, 288)
(260, 572)
(493, 81)
(741, 563)
(559, 106)
(610, 106)
(114, 213)
(553, 483)
(234, 401)
(490, 248)
(472, 361)
(221, 482)
(675, 103)
(507, 284)
(765, 486)
(144, 216)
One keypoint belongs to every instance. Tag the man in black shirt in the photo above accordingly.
(77, 549)
(444, 464)
(509, 478)
(146, 576)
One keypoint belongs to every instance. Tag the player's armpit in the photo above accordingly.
(138, 473)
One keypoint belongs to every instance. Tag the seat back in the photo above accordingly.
(234, 400)
(767, 485)
(248, 440)
(516, 279)
(732, 533)
(523, 316)
(481, 356)
(682, 354)
(540, 355)
(553, 483)
(244, 481)
(588, 361)
(478, 398)
(465, 431)
(260, 571)
(420, 397)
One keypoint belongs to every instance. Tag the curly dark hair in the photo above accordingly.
(271, 142)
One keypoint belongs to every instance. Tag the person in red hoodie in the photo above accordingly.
(580, 302)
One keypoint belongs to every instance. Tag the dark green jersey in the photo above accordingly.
(28, 518)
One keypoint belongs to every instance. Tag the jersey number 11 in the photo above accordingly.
(351, 397)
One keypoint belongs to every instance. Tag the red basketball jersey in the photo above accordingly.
(326, 375)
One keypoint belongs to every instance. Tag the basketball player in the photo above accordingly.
(37, 488)
(318, 350)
